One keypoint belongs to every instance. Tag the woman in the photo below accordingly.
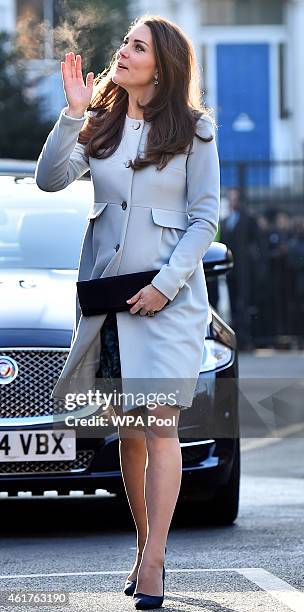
(150, 146)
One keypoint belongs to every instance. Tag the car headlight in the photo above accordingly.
(215, 355)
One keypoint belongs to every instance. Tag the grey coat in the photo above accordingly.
(141, 220)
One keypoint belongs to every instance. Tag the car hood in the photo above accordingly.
(37, 298)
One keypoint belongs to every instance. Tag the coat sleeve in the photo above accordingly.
(203, 196)
(62, 159)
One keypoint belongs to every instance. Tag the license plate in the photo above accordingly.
(38, 445)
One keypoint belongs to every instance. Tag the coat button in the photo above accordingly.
(117, 247)
(124, 205)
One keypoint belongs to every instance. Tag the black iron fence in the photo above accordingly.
(264, 226)
(264, 184)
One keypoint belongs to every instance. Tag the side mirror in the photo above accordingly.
(218, 260)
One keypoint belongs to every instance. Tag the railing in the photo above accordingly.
(264, 182)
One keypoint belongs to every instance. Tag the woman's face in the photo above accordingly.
(136, 54)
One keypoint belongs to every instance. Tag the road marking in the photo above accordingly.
(275, 587)
(121, 572)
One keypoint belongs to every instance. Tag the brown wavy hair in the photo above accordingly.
(172, 111)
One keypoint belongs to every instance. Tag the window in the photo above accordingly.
(35, 39)
(242, 12)
(30, 9)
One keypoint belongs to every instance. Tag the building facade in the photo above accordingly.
(251, 55)
(252, 61)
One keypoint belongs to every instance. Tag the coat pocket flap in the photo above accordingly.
(170, 218)
(96, 210)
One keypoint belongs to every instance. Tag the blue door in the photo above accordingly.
(243, 115)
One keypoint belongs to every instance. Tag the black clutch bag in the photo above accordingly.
(109, 294)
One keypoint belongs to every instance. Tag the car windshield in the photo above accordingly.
(42, 229)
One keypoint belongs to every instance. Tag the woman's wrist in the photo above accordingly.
(74, 113)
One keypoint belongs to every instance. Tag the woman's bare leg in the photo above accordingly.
(162, 486)
(133, 457)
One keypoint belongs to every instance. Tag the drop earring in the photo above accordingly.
(156, 80)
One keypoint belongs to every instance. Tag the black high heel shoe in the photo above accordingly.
(142, 601)
(129, 587)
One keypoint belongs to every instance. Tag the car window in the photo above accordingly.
(42, 229)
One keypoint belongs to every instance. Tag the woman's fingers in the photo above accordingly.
(73, 67)
(90, 79)
(71, 64)
(78, 67)
(70, 67)
(78, 93)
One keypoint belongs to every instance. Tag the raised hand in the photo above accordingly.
(77, 93)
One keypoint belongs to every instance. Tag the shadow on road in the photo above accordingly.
(75, 515)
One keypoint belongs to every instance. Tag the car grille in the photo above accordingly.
(29, 394)
(81, 463)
